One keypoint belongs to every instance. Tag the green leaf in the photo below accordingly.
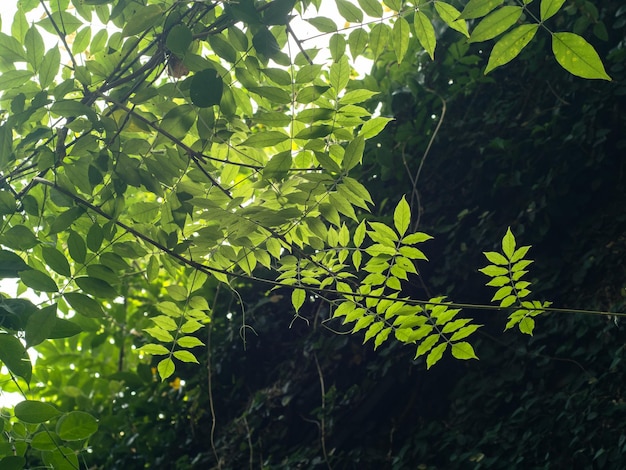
(35, 412)
(496, 258)
(34, 47)
(222, 48)
(494, 271)
(76, 247)
(298, 297)
(379, 38)
(14, 79)
(337, 46)
(44, 440)
(464, 332)
(427, 344)
(354, 153)
(64, 220)
(166, 368)
(496, 23)
(76, 426)
(265, 139)
(39, 325)
(11, 264)
(185, 356)
(479, 8)
(154, 349)
(179, 39)
(84, 305)
(373, 127)
(189, 342)
(13, 462)
(96, 287)
(402, 216)
(340, 74)
(510, 45)
(19, 238)
(549, 8)
(450, 16)
(323, 24)
(400, 35)
(265, 43)
(49, 67)
(349, 11)
(414, 238)
(278, 166)
(372, 8)
(527, 325)
(508, 244)
(463, 351)
(435, 355)
(38, 281)
(145, 18)
(502, 293)
(577, 56)
(56, 260)
(425, 33)
(15, 357)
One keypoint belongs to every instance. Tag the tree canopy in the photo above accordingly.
(185, 153)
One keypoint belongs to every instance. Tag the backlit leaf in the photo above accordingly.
(35, 412)
(425, 33)
(549, 8)
(496, 23)
(577, 56)
(145, 18)
(166, 368)
(510, 45)
(76, 426)
(400, 33)
(402, 216)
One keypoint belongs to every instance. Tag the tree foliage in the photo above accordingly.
(188, 147)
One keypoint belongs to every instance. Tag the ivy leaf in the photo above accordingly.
(577, 56)
(402, 216)
(425, 33)
(510, 45)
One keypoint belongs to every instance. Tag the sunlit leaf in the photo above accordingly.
(425, 33)
(577, 56)
(510, 45)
